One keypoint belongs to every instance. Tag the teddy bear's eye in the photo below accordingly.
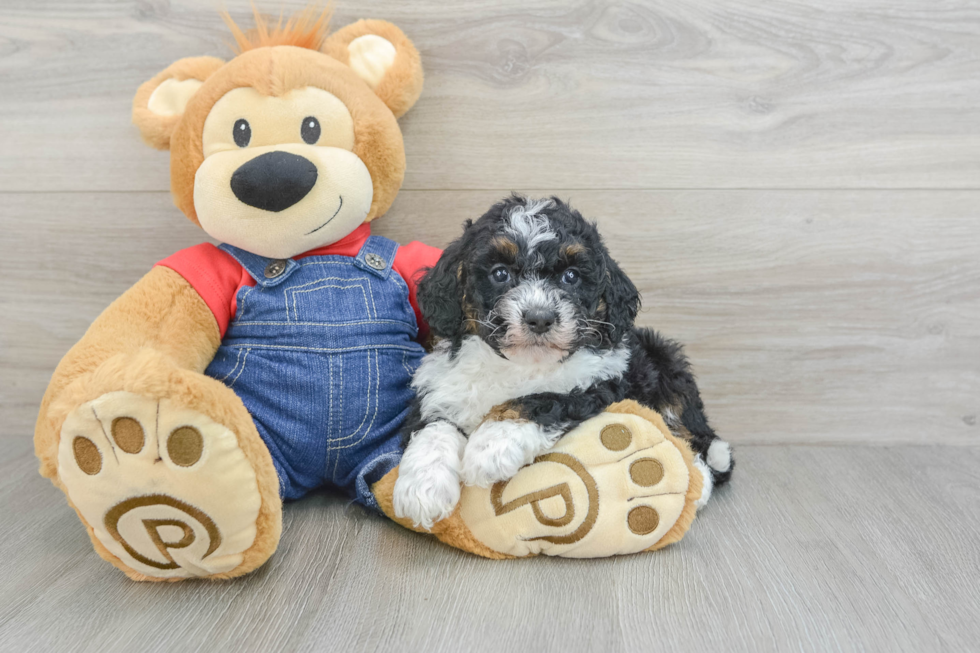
(241, 132)
(310, 130)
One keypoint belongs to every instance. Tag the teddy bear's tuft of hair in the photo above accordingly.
(306, 29)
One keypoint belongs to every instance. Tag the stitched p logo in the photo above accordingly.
(563, 490)
(151, 525)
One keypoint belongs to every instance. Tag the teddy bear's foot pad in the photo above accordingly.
(614, 485)
(165, 489)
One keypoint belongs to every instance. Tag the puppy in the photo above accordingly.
(534, 322)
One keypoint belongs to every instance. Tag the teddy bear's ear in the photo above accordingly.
(160, 102)
(381, 55)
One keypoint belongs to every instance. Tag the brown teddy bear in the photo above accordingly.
(231, 378)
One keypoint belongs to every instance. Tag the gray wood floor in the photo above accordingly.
(794, 186)
(814, 549)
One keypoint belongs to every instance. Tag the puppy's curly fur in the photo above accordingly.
(534, 327)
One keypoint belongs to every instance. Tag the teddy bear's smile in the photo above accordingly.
(339, 206)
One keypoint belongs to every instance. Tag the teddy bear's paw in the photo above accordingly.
(165, 489)
(613, 485)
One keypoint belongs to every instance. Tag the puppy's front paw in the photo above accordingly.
(426, 497)
(497, 450)
(427, 488)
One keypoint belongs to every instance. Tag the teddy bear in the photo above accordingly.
(232, 378)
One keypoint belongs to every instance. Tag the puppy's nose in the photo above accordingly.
(274, 181)
(539, 320)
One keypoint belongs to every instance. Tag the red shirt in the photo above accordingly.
(217, 276)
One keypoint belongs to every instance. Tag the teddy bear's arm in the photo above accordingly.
(162, 312)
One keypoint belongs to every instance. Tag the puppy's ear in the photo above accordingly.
(440, 292)
(622, 301)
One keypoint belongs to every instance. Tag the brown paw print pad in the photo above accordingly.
(184, 445)
(643, 520)
(87, 455)
(128, 434)
(615, 437)
(645, 472)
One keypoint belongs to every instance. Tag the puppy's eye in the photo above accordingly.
(570, 277)
(241, 132)
(500, 274)
(310, 130)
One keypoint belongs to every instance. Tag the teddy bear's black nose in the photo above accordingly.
(274, 181)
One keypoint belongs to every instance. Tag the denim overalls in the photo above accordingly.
(321, 351)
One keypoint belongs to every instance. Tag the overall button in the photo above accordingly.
(374, 261)
(275, 268)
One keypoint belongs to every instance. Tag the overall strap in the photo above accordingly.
(377, 256)
(267, 272)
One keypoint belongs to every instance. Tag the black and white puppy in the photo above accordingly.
(534, 322)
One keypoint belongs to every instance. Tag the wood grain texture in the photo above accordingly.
(813, 549)
(696, 94)
(846, 316)
(721, 147)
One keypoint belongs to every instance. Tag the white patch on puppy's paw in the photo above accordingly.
(719, 456)
(709, 482)
(497, 450)
(427, 488)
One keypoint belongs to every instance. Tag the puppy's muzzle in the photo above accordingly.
(274, 181)
(540, 320)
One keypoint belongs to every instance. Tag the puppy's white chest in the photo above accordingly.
(465, 388)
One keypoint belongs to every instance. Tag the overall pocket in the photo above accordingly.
(331, 300)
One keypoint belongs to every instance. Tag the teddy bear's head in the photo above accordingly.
(293, 143)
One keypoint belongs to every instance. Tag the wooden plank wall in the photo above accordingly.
(793, 187)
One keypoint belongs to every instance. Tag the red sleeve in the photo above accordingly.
(411, 262)
(215, 275)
